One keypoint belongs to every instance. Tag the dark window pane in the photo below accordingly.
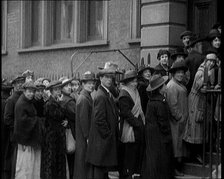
(36, 23)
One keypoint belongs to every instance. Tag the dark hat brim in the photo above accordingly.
(146, 68)
(21, 78)
(106, 71)
(176, 54)
(65, 83)
(149, 88)
(172, 70)
(129, 79)
(56, 85)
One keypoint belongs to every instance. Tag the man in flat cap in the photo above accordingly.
(9, 117)
(103, 135)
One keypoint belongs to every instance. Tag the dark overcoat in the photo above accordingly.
(53, 154)
(158, 157)
(103, 136)
(193, 61)
(9, 117)
(39, 106)
(83, 121)
(160, 70)
(28, 126)
(69, 106)
(142, 85)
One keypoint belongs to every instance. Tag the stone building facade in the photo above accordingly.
(43, 35)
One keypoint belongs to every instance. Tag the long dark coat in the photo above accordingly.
(83, 120)
(39, 106)
(142, 85)
(10, 158)
(53, 154)
(158, 157)
(193, 61)
(131, 154)
(103, 136)
(28, 126)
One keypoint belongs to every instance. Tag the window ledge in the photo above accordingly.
(64, 46)
(134, 41)
(4, 52)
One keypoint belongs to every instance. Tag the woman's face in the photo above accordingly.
(179, 75)
(67, 89)
(133, 84)
(146, 74)
(29, 93)
(39, 93)
(75, 85)
(89, 86)
(216, 42)
(164, 59)
(56, 92)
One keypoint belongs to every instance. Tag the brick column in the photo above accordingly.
(162, 21)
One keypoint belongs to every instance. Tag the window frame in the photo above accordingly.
(4, 27)
(133, 22)
(47, 42)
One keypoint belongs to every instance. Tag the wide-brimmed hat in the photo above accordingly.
(54, 84)
(179, 65)
(156, 81)
(28, 73)
(186, 33)
(6, 85)
(88, 76)
(39, 83)
(109, 68)
(18, 78)
(213, 33)
(162, 52)
(144, 67)
(48, 79)
(29, 85)
(129, 75)
(64, 81)
(178, 51)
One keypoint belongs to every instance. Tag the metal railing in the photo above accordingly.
(212, 126)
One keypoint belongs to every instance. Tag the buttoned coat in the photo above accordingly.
(178, 104)
(83, 120)
(103, 136)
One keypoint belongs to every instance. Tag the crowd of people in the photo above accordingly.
(146, 124)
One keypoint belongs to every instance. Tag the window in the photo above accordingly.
(93, 21)
(4, 25)
(63, 22)
(135, 15)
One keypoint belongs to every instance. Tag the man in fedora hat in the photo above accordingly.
(194, 59)
(103, 135)
(84, 106)
(9, 117)
(28, 133)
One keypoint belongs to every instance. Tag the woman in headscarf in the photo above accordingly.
(132, 126)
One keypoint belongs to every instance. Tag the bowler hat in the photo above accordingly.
(6, 85)
(129, 75)
(29, 85)
(186, 33)
(18, 78)
(39, 84)
(156, 81)
(178, 51)
(88, 76)
(144, 67)
(54, 84)
(179, 65)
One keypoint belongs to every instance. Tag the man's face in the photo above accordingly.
(67, 89)
(185, 40)
(39, 93)
(107, 80)
(29, 93)
(89, 86)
